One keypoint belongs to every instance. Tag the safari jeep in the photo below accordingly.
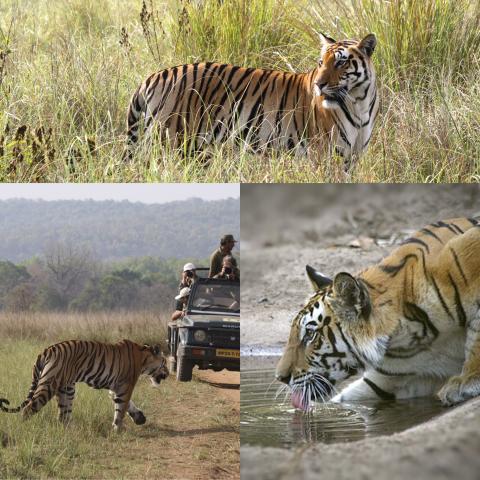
(208, 335)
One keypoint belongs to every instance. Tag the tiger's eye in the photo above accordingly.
(309, 334)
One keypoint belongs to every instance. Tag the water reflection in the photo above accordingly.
(270, 421)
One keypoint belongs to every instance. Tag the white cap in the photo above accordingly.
(184, 292)
(188, 266)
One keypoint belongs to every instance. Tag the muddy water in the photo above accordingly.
(270, 420)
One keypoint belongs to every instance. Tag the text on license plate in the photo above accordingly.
(221, 352)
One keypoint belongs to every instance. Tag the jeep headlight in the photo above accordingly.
(200, 335)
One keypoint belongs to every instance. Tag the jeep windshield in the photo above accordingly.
(215, 297)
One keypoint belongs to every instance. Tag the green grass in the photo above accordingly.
(68, 69)
(181, 435)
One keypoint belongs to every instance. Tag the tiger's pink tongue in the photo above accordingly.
(299, 402)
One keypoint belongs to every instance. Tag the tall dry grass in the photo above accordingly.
(52, 327)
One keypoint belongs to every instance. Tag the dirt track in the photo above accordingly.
(227, 384)
(203, 432)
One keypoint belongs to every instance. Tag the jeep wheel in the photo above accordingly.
(184, 369)
(172, 364)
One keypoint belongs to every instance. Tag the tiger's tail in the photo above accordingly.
(135, 111)
(37, 370)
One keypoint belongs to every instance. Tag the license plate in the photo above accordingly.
(221, 352)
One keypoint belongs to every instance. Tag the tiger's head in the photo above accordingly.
(345, 70)
(154, 364)
(325, 338)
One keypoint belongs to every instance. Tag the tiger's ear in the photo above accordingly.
(154, 349)
(326, 42)
(318, 280)
(350, 298)
(368, 44)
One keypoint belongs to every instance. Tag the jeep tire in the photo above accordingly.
(184, 369)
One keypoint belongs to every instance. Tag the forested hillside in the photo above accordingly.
(112, 230)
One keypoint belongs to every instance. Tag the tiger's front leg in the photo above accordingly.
(121, 401)
(366, 388)
(466, 385)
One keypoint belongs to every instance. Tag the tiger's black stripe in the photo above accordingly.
(457, 263)
(393, 270)
(462, 317)
(417, 240)
(380, 392)
(440, 297)
(428, 232)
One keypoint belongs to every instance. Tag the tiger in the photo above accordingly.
(410, 325)
(102, 366)
(333, 106)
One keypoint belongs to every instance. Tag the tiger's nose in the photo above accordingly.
(321, 86)
(283, 378)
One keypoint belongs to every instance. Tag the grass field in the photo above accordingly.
(190, 432)
(69, 67)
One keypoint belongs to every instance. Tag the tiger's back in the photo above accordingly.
(440, 256)
(210, 101)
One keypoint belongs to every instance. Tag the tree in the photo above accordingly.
(11, 276)
(68, 267)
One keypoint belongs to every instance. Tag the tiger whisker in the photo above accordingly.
(270, 385)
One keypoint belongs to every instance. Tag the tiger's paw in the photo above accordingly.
(139, 418)
(458, 389)
(118, 428)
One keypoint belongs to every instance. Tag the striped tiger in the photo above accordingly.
(333, 106)
(115, 367)
(410, 324)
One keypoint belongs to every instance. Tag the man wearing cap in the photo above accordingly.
(182, 299)
(189, 276)
(227, 242)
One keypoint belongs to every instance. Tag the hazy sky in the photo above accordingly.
(134, 192)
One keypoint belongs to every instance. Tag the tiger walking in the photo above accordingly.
(101, 366)
(332, 107)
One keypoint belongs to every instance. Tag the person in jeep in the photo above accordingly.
(227, 242)
(182, 300)
(229, 271)
(189, 276)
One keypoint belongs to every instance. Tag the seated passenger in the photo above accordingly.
(229, 271)
(189, 276)
(182, 300)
